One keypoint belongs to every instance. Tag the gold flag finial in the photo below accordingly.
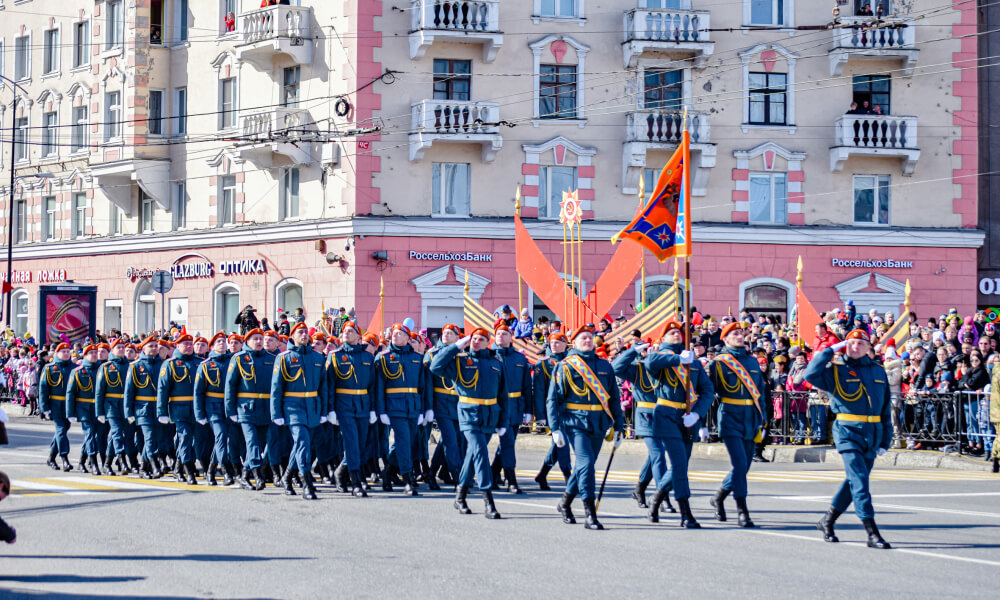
(906, 300)
(642, 188)
(466, 281)
(517, 201)
(684, 120)
(676, 278)
(798, 277)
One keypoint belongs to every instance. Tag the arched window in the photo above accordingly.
(287, 297)
(226, 299)
(767, 298)
(145, 307)
(19, 304)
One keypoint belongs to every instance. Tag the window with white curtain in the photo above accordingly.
(450, 195)
(769, 198)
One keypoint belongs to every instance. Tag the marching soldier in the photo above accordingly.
(628, 366)
(248, 385)
(401, 404)
(542, 377)
(110, 407)
(102, 428)
(422, 436)
(478, 380)
(299, 398)
(140, 405)
(582, 404)
(683, 396)
(210, 407)
(859, 397)
(175, 403)
(52, 385)
(517, 377)
(80, 406)
(349, 382)
(451, 450)
(737, 380)
(271, 342)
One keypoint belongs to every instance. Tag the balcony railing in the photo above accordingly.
(664, 127)
(455, 121)
(875, 135)
(463, 21)
(655, 30)
(862, 38)
(279, 29)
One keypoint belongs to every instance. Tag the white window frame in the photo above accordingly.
(280, 304)
(298, 87)
(788, 16)
(581, 83)
(771, 175)
(79, 221)
(579, 18)
(288, 201)
(83, 46)
(78, 132)
(180, 206)
(50, 135)
(746, 56)
(658, 280)
(231, 124)
(54, 53)
(116, 219)
(26, 76)
(223, 190)
(875, 210)
(161, 120)
(112, 27)
(223, 10)
(545, 182)
(49, 219)
(22, 151)
(20, 221)
(226, 287)
(180, 112)
(112, 116)
(19, 317)
(147, 213)
(441, 213)
(181, 23)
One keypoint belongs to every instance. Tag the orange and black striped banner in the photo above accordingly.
(900, 330)
(651, 318)
(477, 316)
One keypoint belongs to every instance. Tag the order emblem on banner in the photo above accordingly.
(570, 212)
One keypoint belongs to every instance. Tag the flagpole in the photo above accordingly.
(677, 289)
(517, 213)
(580, 317)
(686, 191)
(566, 270)
(381, 304)
(798, 312)
(642, 267)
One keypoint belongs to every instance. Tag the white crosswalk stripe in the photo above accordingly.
(804, 476)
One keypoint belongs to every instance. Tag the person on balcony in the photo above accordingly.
(230, 22)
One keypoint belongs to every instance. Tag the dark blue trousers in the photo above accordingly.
(151, 433)
(740, 457)
(255, 436)
(354, 430)
(508, 442)
(220, 441)
(301, 448)
(451, 450)
(674, 475)
(560, 456)
(477, 462)
(60, 439)
(185, 441)
(403, 430)
(858, 468)
(586, 448)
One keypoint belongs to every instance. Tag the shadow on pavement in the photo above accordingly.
(16, 594)
(93, 503)
(190, 557)
(65, 578)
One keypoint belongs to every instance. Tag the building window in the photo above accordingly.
(558, 8)
(78, 135)
(180, 206)
(226, 8)
(450, 184)
(552, 182)
(155, 116)
(50, 52)
(867, 8)
(663, 89)
(181, 21)
(872, 93)
(227, 103)
(180, 111)
(557, 92)
(767, 98)
(49, 218)
(114, 24)
(79, 214)
(147, 213)
(289, 194)
(227, 200)
(290, 87)
(767, 12)
(227, 306)
(81, 44)
(115, 218)
(20, 305)
(766, 299)
(156, 22)
(452, 79)
(112, 115)
(21, 139)
(871, 199)
(49, 127)
(769, 198)
(20, 219)
(288, 297)
(22, 57)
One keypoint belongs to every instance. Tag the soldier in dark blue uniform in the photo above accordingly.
(80, 405)
(628, 366)
(210, 407)
(175, 403)
(401, 404)
(517, 379)
(52, 385)
(542, 376)
(248, 393)
(109, 401)
(683, 396)
(349, 384)
(478, 380)
(736, 376)
(582, 404)
(859, 397)
(299, 397)
(451, 450)
(101, 425)
(140, 405)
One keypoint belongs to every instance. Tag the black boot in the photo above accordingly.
(95, 464)
(52, 461)
(387, 479)
(133, 462)
(341, 475)
(718, 503)
(358, 488)
(667, 507)
(157, 468)
(743, 514)
(83, 463)
(279, 474)
(874, 537)
(496, 466)
(179, 472)
(460, 504)
(639, 494)
(591, 511)
(210, 474)
(228, 474)
(192, 478)
(245, 479)
(146, 470)
(511, 477)
(328, 473)
(826, 525)
(310, 488)
(429, 478)
(287, 480)
(687, 518)
(490, 509)
(996, 463)
(542, 478)
(410, 486)
(565, 508)
(654, 508)
(106, 461)
(258, 475)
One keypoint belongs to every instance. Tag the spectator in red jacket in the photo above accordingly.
(824, 338)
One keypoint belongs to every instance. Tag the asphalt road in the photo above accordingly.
(85, 537)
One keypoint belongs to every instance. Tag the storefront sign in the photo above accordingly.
(17, 277)
(133, 273)
(243, 267)
(195, 270)
(52, 276)
(451, 256)
(989, 286)
(866, 263)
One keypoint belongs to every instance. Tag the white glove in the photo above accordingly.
(384, 419)
(619, 438)
(464, 342)
(203, 421)
(48, 414)
(234, 418)
(501, 431)
(372, 417)
(558, 438)
(72, 419)
(690, 419)
(703, 434)
(164, 420)
(881, 451)
(687, 357)
(839, 346)
(332, 418)
(279, 422)
(322, 419)
(420, 419)
(639, 347)
(102, 419)
(526, 418)
(429, 416)
(131, 420)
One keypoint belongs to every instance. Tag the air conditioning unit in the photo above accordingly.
(330, 156)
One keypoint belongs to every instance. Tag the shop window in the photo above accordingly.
(227, 307)
(450, 183)
(19, 302)
(288, 297)
(552, 182)
(539, 308)
(656, 286)
(769, 198)
(871, 199)
(452, 79)
(766, 299)
(873, 94)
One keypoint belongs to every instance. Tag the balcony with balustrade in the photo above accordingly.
(652, 130)
(455, 122)
(861, 38)
(273, 31)
(276, 136)
(670, 33)
(875, 135)
(461, 21)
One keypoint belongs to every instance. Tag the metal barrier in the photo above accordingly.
(929, 420)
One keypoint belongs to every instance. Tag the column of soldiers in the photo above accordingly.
(264, 408)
